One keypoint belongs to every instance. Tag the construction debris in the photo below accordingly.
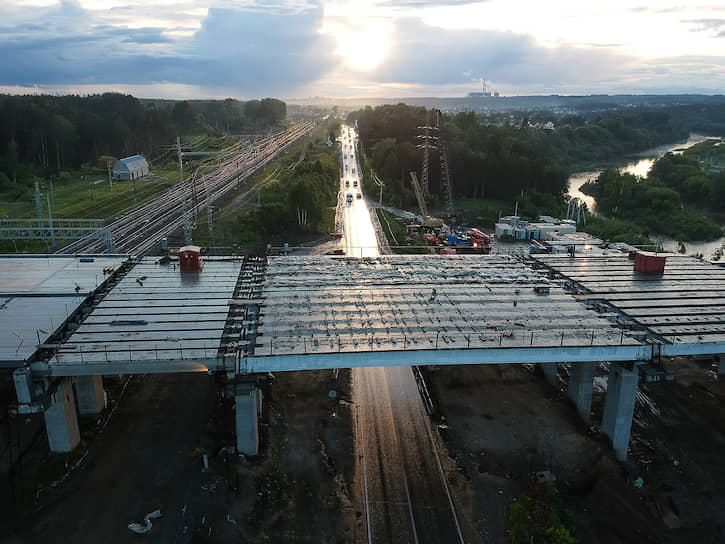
(146, 527)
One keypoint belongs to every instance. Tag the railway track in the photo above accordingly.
(139, 230)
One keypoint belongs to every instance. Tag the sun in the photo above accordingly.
(362, 31)
(363, 48)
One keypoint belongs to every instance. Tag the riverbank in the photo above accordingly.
(674, 221)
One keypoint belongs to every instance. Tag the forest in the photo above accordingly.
(507, 156)
(43, 136)
(289, 185)
(678, 198)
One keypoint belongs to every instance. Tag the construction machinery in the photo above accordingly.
(428, 221)
(469, 241)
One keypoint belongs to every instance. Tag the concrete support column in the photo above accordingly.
(89, 390)
(23, 379)
(721, 365)
(61, 421)
(619, 407)
(248, 398)
(549, 370)
(581, 385)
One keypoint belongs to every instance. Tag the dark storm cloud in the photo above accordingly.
(251, 51)
(436, 56)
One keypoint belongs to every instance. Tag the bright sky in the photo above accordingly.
(295, 48)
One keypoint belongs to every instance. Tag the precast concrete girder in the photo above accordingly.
(143, 366)
(564, 354)
(365, 358)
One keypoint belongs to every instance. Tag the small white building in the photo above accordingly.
(130, 168)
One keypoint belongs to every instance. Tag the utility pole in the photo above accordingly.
(187, 224)
(50, 222)
(209, 212)
(110, 178)
(194, 201)
(134, 193)
(181, 164)
(39, 208)
(93, 196)
(110, 247)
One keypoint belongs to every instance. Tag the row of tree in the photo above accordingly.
(44, 135)
(308, 192)
(486, 161)
(509, 156)
(652, 204)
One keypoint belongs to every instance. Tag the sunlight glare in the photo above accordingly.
(363, 37)
(364, 49)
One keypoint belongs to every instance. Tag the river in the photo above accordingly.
(640, 164)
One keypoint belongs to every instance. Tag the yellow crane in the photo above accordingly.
(428, 221)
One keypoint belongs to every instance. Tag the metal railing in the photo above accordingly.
(383, 341)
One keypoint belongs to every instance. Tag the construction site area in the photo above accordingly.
(364, 397)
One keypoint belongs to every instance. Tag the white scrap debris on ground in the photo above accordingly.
(146, 528)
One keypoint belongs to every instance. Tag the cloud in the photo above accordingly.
(251, 48)
(434, 56)
(252, 52)
(715, 27)
(145, 36)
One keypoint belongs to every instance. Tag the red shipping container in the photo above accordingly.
(190, 258)
(649, 263)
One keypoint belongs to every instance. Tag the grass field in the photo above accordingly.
(87, 194)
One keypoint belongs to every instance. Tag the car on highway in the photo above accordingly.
(353, 170)
(354, 182)
(359, 196)
(349, 198)
(347, 183)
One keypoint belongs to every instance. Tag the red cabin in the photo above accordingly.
(190, 258)
(649, 263)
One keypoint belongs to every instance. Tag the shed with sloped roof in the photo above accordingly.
(130, 168)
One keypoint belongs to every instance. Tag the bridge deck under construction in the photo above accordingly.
(296, 313)
(420, 302)
(155, 314)
(684, 305)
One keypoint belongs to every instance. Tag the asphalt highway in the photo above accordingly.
(404, 490)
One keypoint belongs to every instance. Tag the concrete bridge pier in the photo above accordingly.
(619, 406)
(248, 400)
(581, 385)
(89, 390)
(61, 420)
(549, 370)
